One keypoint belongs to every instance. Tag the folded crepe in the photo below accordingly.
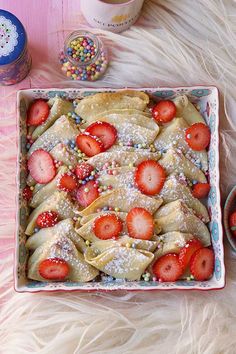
(85, 219)
(137, 243)
(63, 248)
(128, 149)
(124, 177)
(124, 200)
(185, 109)
(116, 119)
(46, 190)
(176, 216)
(59, 108)
(125, 241)
(63, 129)
(59, 202)
(61, 152)
(123, 158)
(173, 190)
(86, 230)
(171, 242)
(129, 131)
(174, 161)
(100, 102)
(119, 262)
(63, 228)
(173, 135)
(126, 111)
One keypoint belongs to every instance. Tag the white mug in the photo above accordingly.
(111, 15)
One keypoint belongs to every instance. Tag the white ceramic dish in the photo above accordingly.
(207, 100)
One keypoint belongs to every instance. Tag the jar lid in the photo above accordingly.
(12, 37)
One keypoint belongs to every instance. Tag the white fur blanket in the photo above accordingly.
(175, 43)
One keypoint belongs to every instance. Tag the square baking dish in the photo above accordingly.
(206, 99)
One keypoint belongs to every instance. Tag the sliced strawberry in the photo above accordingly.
(27, 193)
(41, 166)
(149, 177)
(140, 223)
(104, 131)
(107, 226)
(89, 144)
(54, 269)
(168, 268)
(87, 193)
(201, 190)
(67, 182)
(38, 112)
(232, 223)
(47, 219)
(202, 264)
(187, 251)
(198, 136)
(83, 170)
(164, 111)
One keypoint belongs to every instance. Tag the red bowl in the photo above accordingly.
(230, 206)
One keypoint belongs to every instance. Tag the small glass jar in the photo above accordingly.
(15, 60)
(84, 56)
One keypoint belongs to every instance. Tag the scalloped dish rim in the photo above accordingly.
(203, 96)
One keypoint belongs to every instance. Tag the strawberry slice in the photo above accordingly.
(107, 226)
(202, 264)
(87, 193)
(83, 170)
(47, 219)
(27, 193)
(41, 166)
(198, 136)
(168, 268)
(140, 224)
(89, 144)
(187, 251)
(232, 223)
(38, 113)
(201, 190)
(54, 269)
(149, 177)
(104, 131)
(164, 111)
(67, 182)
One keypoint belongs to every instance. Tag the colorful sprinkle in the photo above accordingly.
(83, 59)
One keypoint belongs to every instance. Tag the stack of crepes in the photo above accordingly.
(178, 216)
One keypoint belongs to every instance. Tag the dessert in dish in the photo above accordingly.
(116, 188)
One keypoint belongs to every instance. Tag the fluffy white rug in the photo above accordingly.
(183, 42)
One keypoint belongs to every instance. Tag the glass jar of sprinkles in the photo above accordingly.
(84, 56)
(15, 61)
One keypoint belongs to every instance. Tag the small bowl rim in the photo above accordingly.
(227, 207)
